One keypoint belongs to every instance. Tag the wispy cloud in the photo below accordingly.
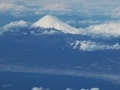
(55, 7)
(83, 22)
(7, 85)
(7, 6)
(16, 10)
(12, 9)
(115, 13)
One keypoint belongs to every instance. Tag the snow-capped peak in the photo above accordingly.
(49, 21)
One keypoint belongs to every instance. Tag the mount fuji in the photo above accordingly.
(52, 22)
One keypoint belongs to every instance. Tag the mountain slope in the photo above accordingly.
(49, 21)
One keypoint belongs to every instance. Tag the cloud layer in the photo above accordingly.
(108, 29)
(57, 8)
(86, 2)
(93, 46)
(13, 9)
(8, 6)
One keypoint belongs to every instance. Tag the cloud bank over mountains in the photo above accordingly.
(108, 29)
(57, 8)
(104, 30)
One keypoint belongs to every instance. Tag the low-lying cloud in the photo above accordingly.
(43, 32)
(109, 29)
(93, 46)
(49, 32)
(41, 88)
(12, 25)
(85, 89)
(104, 30)
(91, 89)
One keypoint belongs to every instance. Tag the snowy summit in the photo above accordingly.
(49, 21)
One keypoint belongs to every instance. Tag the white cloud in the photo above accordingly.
(15, 24)
(36, 88)
(95, 29)
(12, 9)
(7, 6)
(115, 12)
(55, 6)
(83, 22)
(69, 89)
(94, 89)
(104, 30)
(49, 32)
(109, 29)
(93, 46)
(20, 23)
(39, 88)
(20, 10)
(15, 9)
(91, 89)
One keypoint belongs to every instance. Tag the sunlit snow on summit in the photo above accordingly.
(49, 21)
